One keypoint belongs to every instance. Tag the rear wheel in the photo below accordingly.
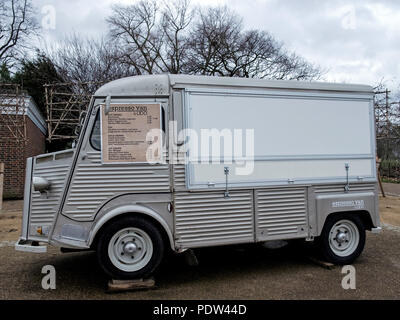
(131, 247)
(342, 239)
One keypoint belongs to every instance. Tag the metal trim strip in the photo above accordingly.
(27, 198)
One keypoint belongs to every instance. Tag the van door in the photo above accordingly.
(206, 217)
(95, 182)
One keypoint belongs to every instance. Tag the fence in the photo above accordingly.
(390, 168)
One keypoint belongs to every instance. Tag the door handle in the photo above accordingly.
(226, 172)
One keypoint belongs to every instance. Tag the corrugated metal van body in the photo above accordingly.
(179, 177)
(338, 188)
(281, 213)
(94, 183)
(54, 167)
(207, 218)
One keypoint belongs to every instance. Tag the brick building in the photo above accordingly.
(13, 151)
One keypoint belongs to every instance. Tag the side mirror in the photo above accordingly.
(40, 184)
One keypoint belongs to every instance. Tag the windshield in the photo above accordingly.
(79, 126)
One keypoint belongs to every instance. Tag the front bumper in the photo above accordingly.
(29, 246)
(376, 230)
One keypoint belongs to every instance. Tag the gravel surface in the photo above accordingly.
(392, 189)
(238, 272)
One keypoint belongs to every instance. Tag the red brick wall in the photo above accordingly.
(36, 143)
(14, 154)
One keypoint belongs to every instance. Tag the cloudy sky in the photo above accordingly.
(355, 41)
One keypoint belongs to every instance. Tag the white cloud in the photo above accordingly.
(357, 41)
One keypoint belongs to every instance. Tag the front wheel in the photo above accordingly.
(342, 239)
(131, 247)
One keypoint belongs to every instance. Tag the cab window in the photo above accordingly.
(95, 137)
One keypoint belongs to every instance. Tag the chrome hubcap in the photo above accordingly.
(341, 237)
(130, 247)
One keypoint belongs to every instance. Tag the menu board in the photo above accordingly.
(124, 132)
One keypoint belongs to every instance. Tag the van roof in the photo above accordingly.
(160, 85)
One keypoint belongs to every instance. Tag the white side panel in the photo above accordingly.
(288, 126)
(298, 137)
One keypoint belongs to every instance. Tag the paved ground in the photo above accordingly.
(392, 188)
(243, 272)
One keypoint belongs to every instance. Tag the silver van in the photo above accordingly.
(229, 161)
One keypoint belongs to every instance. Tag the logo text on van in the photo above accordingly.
(356, 204)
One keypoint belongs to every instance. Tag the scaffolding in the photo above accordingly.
(13, 111)
(387, 121)
(387, 116)
(65, 103)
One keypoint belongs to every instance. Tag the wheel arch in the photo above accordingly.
(364, 215)
(131, 210)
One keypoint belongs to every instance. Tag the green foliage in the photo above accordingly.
(389, 148)
(390, 168)
(390, 180)
(5, 75)
(33, 74)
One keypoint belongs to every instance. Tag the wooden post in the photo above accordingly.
(130, 285)
(378, 164)
(1, 184)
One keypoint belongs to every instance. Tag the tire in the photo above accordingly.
(131, 247)
(342, 239)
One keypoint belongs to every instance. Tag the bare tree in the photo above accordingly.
(154, 38)
(214, 39)
(219, 46)
(176, 18)
(136, 33)
(86, 60)
(151, 37)
(17, 23)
